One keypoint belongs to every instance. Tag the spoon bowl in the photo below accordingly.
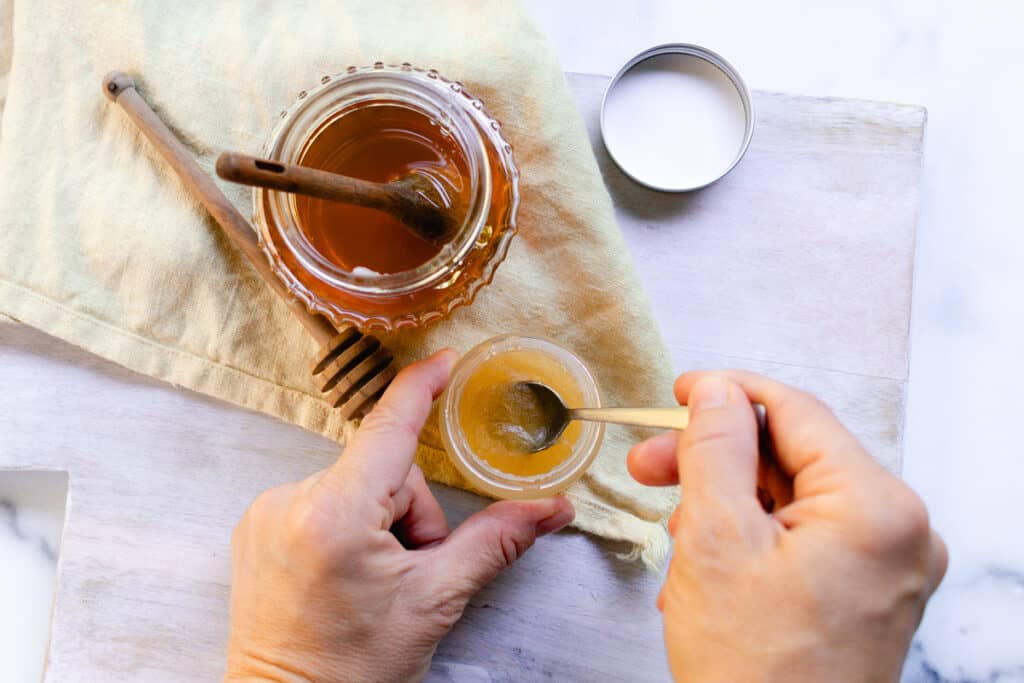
(536, 417)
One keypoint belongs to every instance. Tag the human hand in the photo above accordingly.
(352, 574)
(828, 587)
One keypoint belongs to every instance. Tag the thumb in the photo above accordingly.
(718, 451)
(492, 539)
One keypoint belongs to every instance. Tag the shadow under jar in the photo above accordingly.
(361, 266)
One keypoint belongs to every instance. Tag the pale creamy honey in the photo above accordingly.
(475, 408)
(484, 411)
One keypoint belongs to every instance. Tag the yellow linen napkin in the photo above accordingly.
(6, 47)
(103, 246)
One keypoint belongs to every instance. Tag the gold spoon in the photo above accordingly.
(541, 416)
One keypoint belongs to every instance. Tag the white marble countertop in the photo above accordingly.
(964, 61)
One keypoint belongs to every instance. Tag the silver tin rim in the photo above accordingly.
(715, 60)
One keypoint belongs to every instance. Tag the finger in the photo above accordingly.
(653, 462)
(491, 540)
(802, 428)
(382, 450)
(717, 455)
(673, 522)
(720, 511)
(418, 519)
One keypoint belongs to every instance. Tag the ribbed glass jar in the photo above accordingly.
(428, 292)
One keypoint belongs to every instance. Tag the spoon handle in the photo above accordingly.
(662, 418)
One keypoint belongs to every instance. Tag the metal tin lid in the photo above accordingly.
(676, 118)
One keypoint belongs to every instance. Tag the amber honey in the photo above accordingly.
(360, 266)
(382, 143)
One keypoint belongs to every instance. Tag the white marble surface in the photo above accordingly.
(962, 59)
(31, 517)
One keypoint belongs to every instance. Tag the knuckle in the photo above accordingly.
(910, 516)
(502, 550)
(712, 437)
(261, 515)
(263, 507)
(798, 401)
(708, 441)
(302, 522)
(802, 413)
(940, 555)
(895, 520)
(507, 544)
(511, 547)
(446, 604)
(440, 596)
(307, 534)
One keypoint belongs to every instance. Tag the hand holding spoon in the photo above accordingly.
(541, 416)
(418, 200)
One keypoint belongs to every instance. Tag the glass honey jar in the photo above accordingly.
(468, 412)
(358, 265)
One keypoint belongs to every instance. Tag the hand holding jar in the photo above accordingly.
(828, 587)
(353, 573)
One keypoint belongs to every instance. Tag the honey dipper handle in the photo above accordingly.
(248, 170)
(120, 88)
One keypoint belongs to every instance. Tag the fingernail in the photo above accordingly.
(447, 352)
(556, 521)
(709, 392)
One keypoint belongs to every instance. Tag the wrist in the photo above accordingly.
(251, 668)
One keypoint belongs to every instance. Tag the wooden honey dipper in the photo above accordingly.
(418, 201)
(352, 369)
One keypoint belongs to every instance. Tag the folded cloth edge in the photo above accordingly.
(649, 539)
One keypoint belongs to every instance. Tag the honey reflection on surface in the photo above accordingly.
(482, 406)
(380, 143)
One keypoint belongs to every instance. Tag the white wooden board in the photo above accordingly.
(798, 264)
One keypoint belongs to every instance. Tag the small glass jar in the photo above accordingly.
(430, 291)
(457, 399)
